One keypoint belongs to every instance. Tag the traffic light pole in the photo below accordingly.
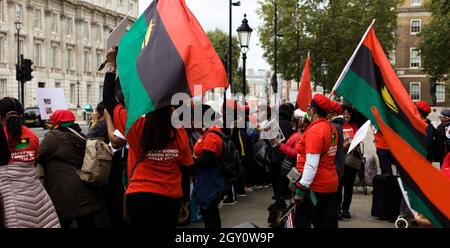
(22, 85)
(19, 65)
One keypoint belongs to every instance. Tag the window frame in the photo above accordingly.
(443, 93)
(419, 93)
(410, 58)
(416, 4)
(411, 26)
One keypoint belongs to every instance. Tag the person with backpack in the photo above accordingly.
(156, 152)
(209, 182)
(61, 154)
(24, 202)
(315, 194)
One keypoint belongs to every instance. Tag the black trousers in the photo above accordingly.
(114, 191)
(237, 186)
(322, 215)
(211, 215)
(84, 222)
(386, 160)
(149, 210)
(346, 184)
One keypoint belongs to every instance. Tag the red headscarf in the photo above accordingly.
(61, 116)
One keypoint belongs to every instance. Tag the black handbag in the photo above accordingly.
(354, 160)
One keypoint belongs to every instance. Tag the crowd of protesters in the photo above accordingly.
(158, 170)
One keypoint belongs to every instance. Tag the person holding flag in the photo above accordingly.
(315, 194)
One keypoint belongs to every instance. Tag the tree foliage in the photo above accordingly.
(329, 29)
(219, 40)
(435, 42)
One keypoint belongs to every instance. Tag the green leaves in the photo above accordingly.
(330, 30)
(435, 44)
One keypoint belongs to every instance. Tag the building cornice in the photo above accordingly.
(412, 10)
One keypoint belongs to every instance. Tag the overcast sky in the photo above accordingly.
(214, 14)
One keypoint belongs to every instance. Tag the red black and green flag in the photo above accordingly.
(369, 81)
(165, 52)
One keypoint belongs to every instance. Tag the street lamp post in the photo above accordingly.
(18, 24)
(244, 32)
(78, 88)
(324, 67)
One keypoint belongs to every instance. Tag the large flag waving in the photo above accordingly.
(166, 52)
(304, 95)
(369, 81)
(427, 187)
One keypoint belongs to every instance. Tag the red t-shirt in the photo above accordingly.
(27, 148)
(160, 171)
(120, 118)
(210, 141)
(380, 142)
(349, 131)
(321, 138)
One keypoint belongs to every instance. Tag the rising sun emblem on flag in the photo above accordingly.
(148, 34)
(388, 99)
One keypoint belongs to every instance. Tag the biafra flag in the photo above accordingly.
(165, 52)
(369, 81)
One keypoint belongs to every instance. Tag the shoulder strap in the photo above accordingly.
(76, 134)
(221, 135)
(134, 169)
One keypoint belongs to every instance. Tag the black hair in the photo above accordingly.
(423, 113)
(120, 98)
(100, 108)
(158, 130)
(322, 113)
(12, 110)
(347, 107)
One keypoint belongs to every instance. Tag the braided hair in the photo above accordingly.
(12, 110)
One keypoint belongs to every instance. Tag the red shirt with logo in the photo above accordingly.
(380, 142)
(210, 141)
(159, 172)
(120, 118)
(349, 131)
(27, 147)
(321, 138)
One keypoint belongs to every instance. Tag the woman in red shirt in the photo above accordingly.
(315, 195)
(156, 152)
(347, 181)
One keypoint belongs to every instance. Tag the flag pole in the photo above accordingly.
(350, 61)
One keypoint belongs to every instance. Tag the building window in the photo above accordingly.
(99, 33)
(69, 26)
(416, 26)
(55, 57)
(1, 11)
(100, 93)
(2, 49)
(37, 19)
(41, 85)
(414, 91)
(72, 93)
(2, 88)
(70, 58)
(38, 53)
(57, 85)
(54, 23)
(440, 92)
(86, 61)
(19, 12)
(416, 3)
(86, 30)
(120, 3)
(88, 92)
(99, 59)
(414, 58)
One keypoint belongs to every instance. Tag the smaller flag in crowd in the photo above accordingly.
(304, 95)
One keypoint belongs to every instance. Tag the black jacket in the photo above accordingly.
(339, 160)
(5, 154)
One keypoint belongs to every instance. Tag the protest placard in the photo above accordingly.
(272, 132)
(50, 100)
(116, 35)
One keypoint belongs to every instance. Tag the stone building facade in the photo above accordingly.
(65, 39)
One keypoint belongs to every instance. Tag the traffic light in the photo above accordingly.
(27, 70)
(19, 72)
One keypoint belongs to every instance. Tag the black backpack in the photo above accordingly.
(230, 165)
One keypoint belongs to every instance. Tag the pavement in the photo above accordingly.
(253, 208)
